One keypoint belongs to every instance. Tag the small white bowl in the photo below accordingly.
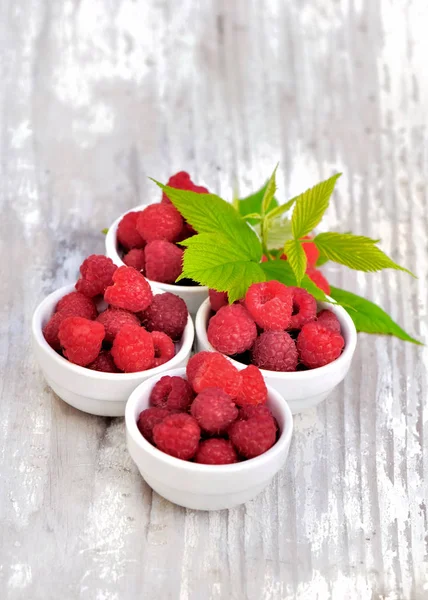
(193, 296)
(301, 389)
(205, 487)
(93, 391)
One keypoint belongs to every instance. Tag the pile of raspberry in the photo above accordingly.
(147, 239)
(216, 416)
(276, 328)
(134, 330)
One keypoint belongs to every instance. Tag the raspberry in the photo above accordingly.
(159, 222)
(133, 349)
(194, 363)
(177, 435)
(164, 261)
(304, 308)
(275, 351)
(260, 411)
(270, 304)
(218, 299)
(76, 304)
(164, 348)
(174, 393)
(148, 419)
(104, 362)
(127, 233)
(50, 330)
(114, 319)
(253, 389)
(81, 339)
(96, 274)
(318, 278)
(135, 258)
(318, 345)
(130, 290)
(167, 313)
(231, 330)
(214, 410)
(311, 251)
(182, 181)
(254, 432)
(328, 319)
(216, 371)
(216, 451)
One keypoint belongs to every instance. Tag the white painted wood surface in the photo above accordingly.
(95, 97)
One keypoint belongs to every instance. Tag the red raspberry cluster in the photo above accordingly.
(135, 332)
(149, 237)
(217, 416)
(276, 328)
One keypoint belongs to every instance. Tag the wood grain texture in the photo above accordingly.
(95, 97)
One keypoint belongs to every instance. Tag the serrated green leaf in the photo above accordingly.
(322, 259)
(281, 209)
(210, 259)
(281, 271)
(278, 232)
(354, 251)
(253, 217)
(296, 257)
(208, 213)
(369, 317)
(253, 203)
(311, 205)
(104, 231)
(269, 192)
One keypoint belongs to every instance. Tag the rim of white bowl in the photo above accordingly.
(111, 250)
(348, 331)
(52, 299)
(246, 465)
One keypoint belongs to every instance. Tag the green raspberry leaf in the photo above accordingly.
(210, 259)
(278, 211)
(311, 205)
(208, 213)
(296, 256)
(282, 271)
(370, 318)
(253, 203)
(355, 251)
(269, 192)
(278, 231)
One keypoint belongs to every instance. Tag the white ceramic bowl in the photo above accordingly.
(193, 296)
(301, 389)
(93, 391)
(205, 487)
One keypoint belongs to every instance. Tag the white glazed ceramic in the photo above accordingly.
(193, 296)
(205, 487)
(301, 389)
(92, 391)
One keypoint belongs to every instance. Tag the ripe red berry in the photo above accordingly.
(51, 329)
(216, 451)
(167, 313)
(254, 432)
(135, 258)
(182, 181)
(318, 345)
(178, 435)
(318, 278)
(130, 290)
(133, 349)
(311, 251)
(174, 393)
(96, 273)
(159, 222)
(164, 261)
(164, 348)
(127, 233)
(304, 308)
(270, 304)
(217, 299)
(329, 319)
(104, 362)
(232, 330)
(81, 339)
(114, 319)
(253, 389)
(275, 351)
(194, 363)
(214, 410)
(77, 304)
(149, 418)
(216, 371)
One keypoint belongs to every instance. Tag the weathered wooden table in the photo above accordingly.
(95, 97)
